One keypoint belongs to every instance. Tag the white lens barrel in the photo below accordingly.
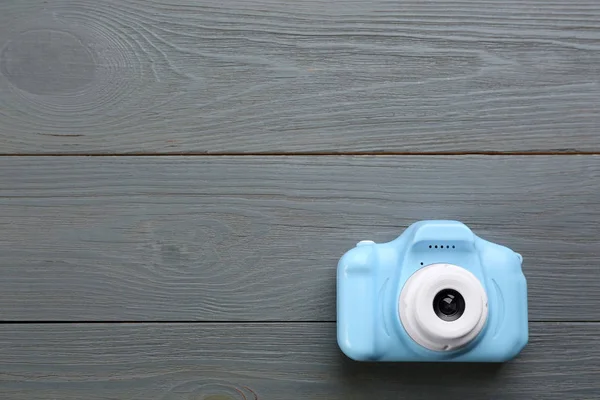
(419, 318)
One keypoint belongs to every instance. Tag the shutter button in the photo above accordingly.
(364, 243)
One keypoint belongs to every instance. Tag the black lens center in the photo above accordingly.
(448, 305)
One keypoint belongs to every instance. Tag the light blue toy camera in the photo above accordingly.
(436, 293)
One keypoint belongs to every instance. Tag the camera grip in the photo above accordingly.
(507, 285)
(356, 304)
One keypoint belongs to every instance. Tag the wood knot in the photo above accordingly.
(226, 392)
(213, 391)
(46, 61)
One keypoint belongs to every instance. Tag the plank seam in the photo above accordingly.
(314, 154)
(59, 322)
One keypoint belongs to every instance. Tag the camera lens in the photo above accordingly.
(448, 305)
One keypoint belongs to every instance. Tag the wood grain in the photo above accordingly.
(274, 361)
(258, 238)
(254, 76)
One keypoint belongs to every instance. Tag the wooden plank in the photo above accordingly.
(273, 361)
(258, 238)
(257, 76)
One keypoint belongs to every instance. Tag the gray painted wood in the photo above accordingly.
(258, 238)
(241, 76)
(274, 361)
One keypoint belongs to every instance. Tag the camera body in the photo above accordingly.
(436, 293)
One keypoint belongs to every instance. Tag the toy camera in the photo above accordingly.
(436, 293)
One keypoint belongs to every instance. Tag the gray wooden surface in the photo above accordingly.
(178, 179)
(213, 76)
(258, 238)
(274, 361)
